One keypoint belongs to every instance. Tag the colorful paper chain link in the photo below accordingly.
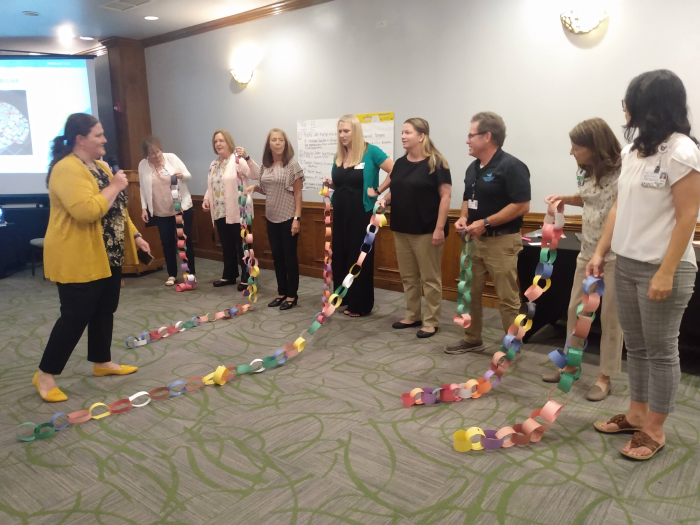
(222, 374)
(464, 288)
(328, 252)
(181, 326)
(190, 281)
(530, 431)
(245, 203)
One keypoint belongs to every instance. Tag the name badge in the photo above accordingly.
(473, 204)
(360, 166)
(654, 179)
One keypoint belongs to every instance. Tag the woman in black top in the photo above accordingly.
(420, 191)
(355, 171)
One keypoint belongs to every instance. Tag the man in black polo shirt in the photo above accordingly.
(496, 196)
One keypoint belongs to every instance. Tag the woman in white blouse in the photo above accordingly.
(281, 181)
(221, 199)
(155, 171)
(651, 228)
(597, 153)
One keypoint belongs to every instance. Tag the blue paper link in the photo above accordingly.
(590, 281)
(174, 384)
(558, 358)
(545, 270)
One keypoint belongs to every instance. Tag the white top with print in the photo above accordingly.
(597, 201)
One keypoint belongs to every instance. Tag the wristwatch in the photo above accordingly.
(247, 158)
(137, 236)
(486, 223)
(297, 219)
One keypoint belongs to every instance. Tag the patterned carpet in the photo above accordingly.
(322, 439)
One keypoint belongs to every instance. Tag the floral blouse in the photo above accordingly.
(114, 221)
(598, 199)
(217, 186)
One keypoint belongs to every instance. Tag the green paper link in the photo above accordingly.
(270, 362)
(314, 326)
(32, 437)
(38, 434)
(510, 352)
(188, 324)
(579, 309)
(565, 382)
(244, 369)
(574, 357)
(341, 293)
(177, 206)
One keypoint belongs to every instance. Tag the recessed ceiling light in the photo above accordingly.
(65, 34)
(30, 13)
(151, 17)
(86, 38)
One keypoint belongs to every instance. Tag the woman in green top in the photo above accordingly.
(355, 170)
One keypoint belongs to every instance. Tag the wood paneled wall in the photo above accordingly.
(150, 234)
(311, 244)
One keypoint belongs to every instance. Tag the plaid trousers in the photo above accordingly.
(651, 330)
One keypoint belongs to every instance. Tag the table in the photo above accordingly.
(554, 303)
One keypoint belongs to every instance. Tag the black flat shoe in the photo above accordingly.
(398, 325)
(220, 283)
(287, 305)
(424, 335)
(276, 302)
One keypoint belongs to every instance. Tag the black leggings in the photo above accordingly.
(168, 238)
(284, 253)
(232, 246)
(90, 304)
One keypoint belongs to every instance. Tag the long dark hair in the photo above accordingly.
(596, 135)
(657, 104)
(62, 146)
(287, 154)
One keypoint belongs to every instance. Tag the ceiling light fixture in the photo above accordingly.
(30, 13)
(151, 17)
(65, 34)
(581, 21)
(86, 38)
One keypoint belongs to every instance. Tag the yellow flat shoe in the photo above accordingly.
(123, 371)
(54, 396)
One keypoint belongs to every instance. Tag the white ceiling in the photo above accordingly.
(89, 18)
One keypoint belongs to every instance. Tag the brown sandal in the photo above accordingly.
(622, 425)
(642, 439)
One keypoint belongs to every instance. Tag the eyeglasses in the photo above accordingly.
(472, 135)
(624, 106)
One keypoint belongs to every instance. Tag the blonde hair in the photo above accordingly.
(287, 154)
(429, 149)
(227, 137)
(358, 142)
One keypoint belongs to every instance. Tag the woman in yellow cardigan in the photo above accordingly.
(88, 238)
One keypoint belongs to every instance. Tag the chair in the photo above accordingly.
(37, 248)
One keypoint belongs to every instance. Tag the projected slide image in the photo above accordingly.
(15, 136)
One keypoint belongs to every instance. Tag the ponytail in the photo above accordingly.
(62, 146)
(437, 161)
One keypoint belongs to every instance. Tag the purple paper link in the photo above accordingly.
(428, 398)
(489, 441)
(328, 268)
(489, 374)
(184, 267)
(326, 288)
(428, 389)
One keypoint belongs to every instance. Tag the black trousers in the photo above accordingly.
(232, 246)
(168, 238)
(284, 254)
(89, 304)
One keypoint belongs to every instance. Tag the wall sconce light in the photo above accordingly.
(584, 20)
(242, 75)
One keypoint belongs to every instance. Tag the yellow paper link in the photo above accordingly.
(299, 344)
(548, 283)
(338, 300)
(536, 280)
(99, 416)
(253, 289)
(209, 379)
(220, 375)
(382, 220)
(323, 191)
(463, 440)
(254, 271)
(355, 275)
(253, 298)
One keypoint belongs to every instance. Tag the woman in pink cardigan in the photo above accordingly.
(222, 200)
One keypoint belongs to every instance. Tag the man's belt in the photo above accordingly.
(498, 233)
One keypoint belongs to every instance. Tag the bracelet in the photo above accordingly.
(137, 236)
(247, 158)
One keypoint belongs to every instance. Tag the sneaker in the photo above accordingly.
(462, 347)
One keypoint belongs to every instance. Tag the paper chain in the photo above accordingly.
(245, 203)
(190, 282)
(530, 431)
(222, 374)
